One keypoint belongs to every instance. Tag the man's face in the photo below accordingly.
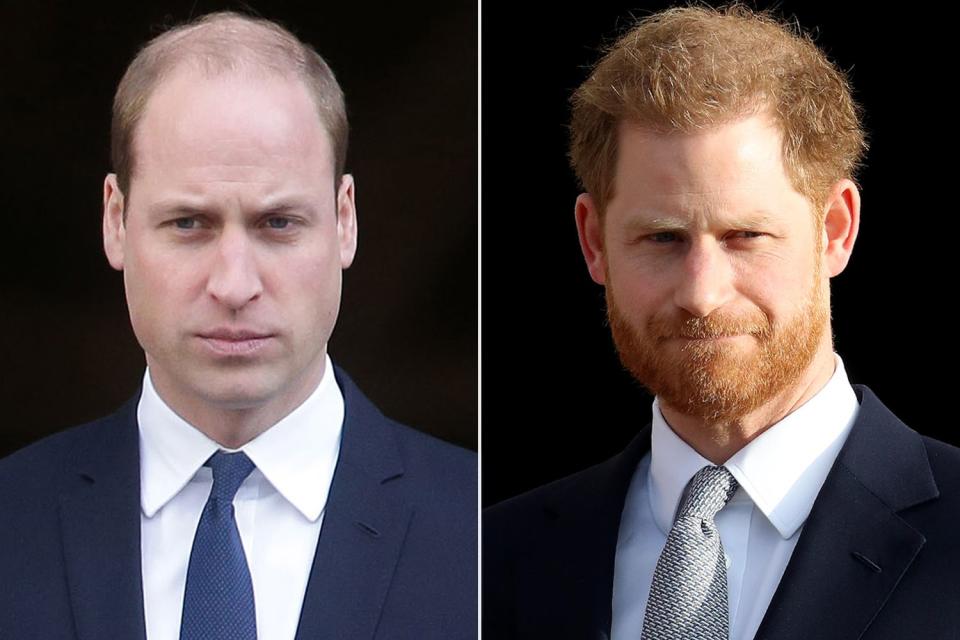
(233, 241)
(712, 264)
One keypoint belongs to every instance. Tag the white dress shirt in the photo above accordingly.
(279, 507)
(780, 474)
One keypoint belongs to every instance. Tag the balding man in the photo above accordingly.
(249, 490)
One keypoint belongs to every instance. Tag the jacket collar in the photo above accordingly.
(573, 566)
(366, 521)
(854, 547)
(100, 524)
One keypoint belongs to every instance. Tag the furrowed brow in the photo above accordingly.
(177, 208)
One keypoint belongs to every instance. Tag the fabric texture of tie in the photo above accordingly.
(218, 600)
(688, 596)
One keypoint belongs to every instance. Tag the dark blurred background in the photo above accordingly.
(555, 397)
(407, 331)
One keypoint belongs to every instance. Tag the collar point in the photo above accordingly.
(311, 514)
(787, 530)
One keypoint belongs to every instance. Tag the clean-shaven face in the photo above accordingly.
(232, 247)
(714, 286)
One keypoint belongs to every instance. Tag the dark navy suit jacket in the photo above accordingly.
(878, 557)
(396, 558)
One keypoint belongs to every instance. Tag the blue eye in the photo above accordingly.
(278, 223)
(185, 223)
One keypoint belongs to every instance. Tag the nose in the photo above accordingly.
(234, 279)
(706, 278)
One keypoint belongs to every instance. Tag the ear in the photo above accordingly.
(841, 224)
(590, 231)
(346, 220)
(114, 230)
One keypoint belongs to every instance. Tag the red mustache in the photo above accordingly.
(709, 327)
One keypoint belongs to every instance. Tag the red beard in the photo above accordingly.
(721, 381)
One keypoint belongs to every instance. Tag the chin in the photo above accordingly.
(237, 392)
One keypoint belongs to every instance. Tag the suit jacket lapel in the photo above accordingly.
(854, 548)
(364, 525)
(575, 576)
(100, 523)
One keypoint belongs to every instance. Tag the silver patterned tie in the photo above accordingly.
(688, 596)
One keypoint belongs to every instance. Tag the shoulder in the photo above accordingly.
(430, 467)
(398, 472)
(554, 544)
(429, 455)
(520, 511)
(35, 480)
(45, 454)
(40, 467)
(437, 475)
(918, 478)
(592, 494)
(916, 475)
(884, 443)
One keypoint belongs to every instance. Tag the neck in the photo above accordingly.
(718, 441)
(233, 428)
(234, 422)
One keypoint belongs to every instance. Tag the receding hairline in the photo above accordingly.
(181, 91)
(217, 44)
(224, 40)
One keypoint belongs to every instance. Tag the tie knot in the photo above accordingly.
(710, 489)
(229, 472)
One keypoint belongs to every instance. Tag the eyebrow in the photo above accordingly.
(288, 206)
(753, 220)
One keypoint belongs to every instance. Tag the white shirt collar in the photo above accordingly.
(297, 455)
(781, 470)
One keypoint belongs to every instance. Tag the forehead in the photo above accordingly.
(195, 121)
(731, 164)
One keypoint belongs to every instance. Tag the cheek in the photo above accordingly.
(779, 287)
(152, 303)
(308, 286)
(321, 287)
(638, 298)
(163, 279)
(639, 281)
(161, 290)
(161, 264)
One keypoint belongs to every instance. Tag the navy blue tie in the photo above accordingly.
(218, 600)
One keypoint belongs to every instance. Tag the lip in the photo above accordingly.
(235, 342)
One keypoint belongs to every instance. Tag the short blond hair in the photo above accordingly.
(218, 43)
(693, 68)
